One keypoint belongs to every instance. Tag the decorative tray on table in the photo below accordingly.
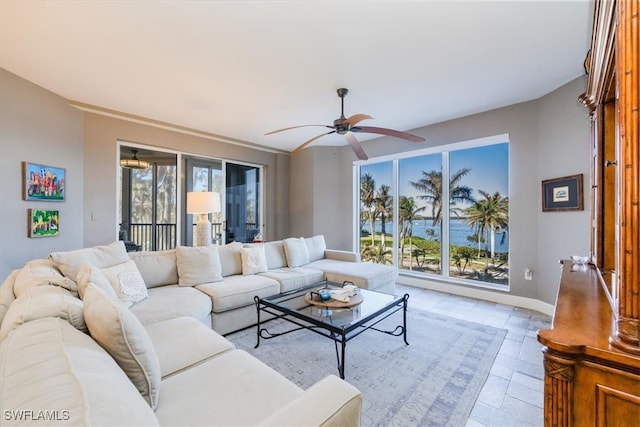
(314, 298)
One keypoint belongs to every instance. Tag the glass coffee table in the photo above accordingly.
(338, 322)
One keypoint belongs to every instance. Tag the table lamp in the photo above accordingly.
(203, 203)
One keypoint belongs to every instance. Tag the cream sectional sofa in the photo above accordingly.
(75, 352)
(217, 286)
(99, 336)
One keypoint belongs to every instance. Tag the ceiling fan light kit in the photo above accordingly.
(346, 126)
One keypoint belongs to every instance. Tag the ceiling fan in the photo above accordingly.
(346, 126)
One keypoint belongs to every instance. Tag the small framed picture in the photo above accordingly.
(43, 223)
(563, 194)
(43, 183)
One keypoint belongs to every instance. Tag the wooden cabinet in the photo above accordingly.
(592, 351)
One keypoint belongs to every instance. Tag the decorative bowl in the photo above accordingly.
(325, 294)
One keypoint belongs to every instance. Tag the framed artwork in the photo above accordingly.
(43, 183)
(43, 223)
(563, 194)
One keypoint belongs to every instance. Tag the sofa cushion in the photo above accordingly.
(6, 293)
(198, 264)
(158, 268)
(184, 342)
(233, 389)
(238, 291)
(48, 365)
(297, 252)
(41, 272)
(254, 260)
(43, 301)
(274, 252)
(316, 247)
(230, 259)
(119, 332)
(167, 302)
(365, 275)
(91, 274)
(294, 278)
(69, 262)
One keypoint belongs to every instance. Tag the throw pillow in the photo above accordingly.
(316, 247)
(198, 265)
(92, 274)
(121, 334)
(43, 301)
(297, 252)
(127, 282)
(254, 260)
(101, 256)
(230, 259)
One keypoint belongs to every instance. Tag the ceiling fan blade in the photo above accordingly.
(355, 146)
(389, 132)
(357, 118)
(295, 127)
(309, 141)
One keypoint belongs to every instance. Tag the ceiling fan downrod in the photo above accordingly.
(340, 123)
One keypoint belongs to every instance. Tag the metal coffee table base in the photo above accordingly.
(339, 335)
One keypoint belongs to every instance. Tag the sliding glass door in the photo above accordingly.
(150, 193)
(242, 204)
(148, 206)
(202, 175)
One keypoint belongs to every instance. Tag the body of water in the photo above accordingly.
(457, 235)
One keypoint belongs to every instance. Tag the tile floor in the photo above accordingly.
(513, 393)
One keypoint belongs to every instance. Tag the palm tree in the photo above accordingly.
(367, 198)
(408, 212)
(487, 216)
(384, 208)
(431, 186)
(376, 254)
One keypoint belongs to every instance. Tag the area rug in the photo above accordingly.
(433, 381)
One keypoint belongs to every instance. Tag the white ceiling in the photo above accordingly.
(241, 68)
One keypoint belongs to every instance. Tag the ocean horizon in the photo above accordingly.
(458, 233)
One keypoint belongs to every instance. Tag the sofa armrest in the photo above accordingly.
(329, 402)
(341, 255)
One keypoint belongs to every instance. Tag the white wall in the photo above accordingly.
(321, 179)
(563, 149)
(549, 138)
(39, 127)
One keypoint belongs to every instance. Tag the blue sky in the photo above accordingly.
(488, 164)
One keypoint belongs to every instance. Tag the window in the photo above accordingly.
(376, 217)
(462, 237)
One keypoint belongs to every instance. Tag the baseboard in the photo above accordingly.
(477, 293)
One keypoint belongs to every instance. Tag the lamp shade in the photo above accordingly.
(203, 202)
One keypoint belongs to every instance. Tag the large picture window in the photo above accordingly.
(463, 236)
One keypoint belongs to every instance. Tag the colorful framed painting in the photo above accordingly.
(563, 194)
(43, 183)
(43, 223)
